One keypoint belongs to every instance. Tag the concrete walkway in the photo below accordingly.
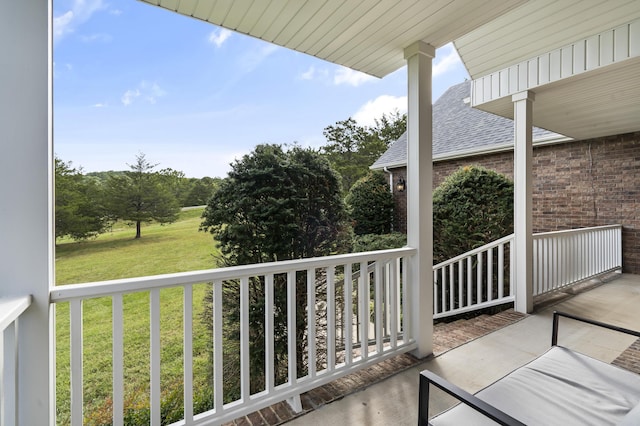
(482, 361)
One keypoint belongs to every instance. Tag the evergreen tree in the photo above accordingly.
(274, 205)
(141, 195)
(79, 213)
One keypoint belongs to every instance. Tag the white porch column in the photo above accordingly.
(419, 192)
(26, 255)
(523, 199)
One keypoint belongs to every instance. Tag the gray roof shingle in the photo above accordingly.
(459, 128)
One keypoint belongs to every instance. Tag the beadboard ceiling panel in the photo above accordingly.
(593, 104)
(365, 35)
(536, 27)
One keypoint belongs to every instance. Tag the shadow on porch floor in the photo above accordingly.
(472, 354)
(446, 336)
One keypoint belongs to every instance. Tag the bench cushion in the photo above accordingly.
(560, 387)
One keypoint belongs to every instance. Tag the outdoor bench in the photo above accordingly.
(560, 387)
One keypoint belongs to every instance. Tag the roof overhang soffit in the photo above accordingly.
(588, 88)
(365, 35)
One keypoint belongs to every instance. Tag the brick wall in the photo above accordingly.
(577, 184)
(400, 198)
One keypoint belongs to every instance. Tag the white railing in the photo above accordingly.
(563, 258)
(483, 277)
(352, 319)
(10, 311)
(340, 313)
(474, 280)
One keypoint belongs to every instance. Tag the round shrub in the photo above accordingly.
(472, 207)
(370, 205)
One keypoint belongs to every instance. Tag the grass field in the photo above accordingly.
(171, 248)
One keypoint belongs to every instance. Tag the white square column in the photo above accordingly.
(26, 212)
(523, 199)
(419, 192)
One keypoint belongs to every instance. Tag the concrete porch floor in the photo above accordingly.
(480, 362)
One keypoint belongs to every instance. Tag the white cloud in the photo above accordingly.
(62, 25)
(309, 74)
(57, 71)
(385, 104)
(449, 61)
(313, 73)
(253, 58)
(100, 37)
(99, 105)
(152, 91)
(147, 91)
(81, 11)
(129, 96)
(218, 37)
(353, 78)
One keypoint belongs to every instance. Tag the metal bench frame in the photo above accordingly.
(428, 378)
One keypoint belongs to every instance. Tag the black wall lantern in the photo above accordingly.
(401, 185)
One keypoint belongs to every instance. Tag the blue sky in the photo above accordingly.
(130, 78)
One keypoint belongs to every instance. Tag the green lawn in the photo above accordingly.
(177, 247)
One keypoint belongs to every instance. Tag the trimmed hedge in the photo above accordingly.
(472, 207)
(370, 205)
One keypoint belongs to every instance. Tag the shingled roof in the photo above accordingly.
(459, 130)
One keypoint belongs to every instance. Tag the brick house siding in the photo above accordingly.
(577, 184)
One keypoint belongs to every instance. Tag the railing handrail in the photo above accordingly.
(475, 251)
(64, 293)
(11, 308)
(510, 236)
(563, 258)
(574, 231)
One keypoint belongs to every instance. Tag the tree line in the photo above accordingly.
(87, 204)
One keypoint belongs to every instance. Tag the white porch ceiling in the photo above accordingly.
(601, 101)
(593, 104)
(365, 35)
(537, 27)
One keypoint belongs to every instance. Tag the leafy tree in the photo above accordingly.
(102, 177)
(274, 205)
(201, 190)
(343, 150)
(79, 213)
(351, 148)
(389, 128)
(472, 207)
(370, 205)
(175, 182)
(141, 195)
(371, 242)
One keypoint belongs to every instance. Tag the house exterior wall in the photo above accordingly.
(576, 184)
(400, 198)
